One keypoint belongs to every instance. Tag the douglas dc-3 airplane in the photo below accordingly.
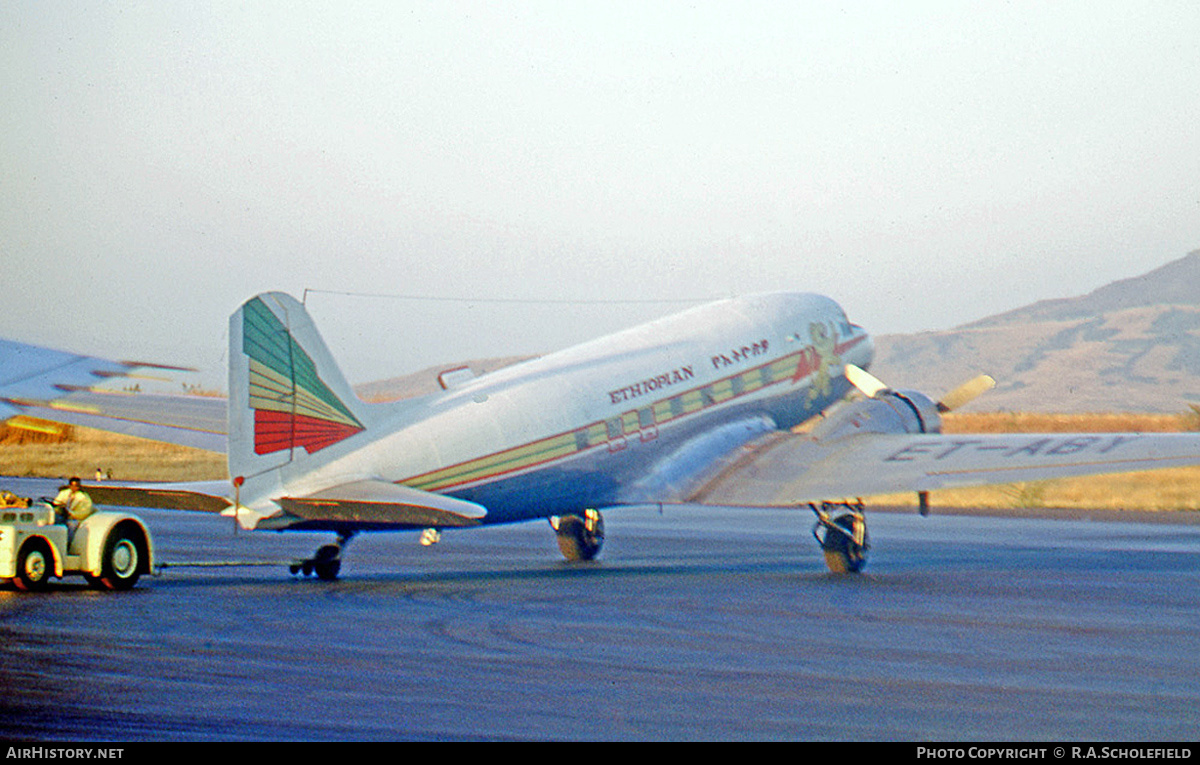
(695, 408)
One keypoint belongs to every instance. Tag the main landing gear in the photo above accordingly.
(326, 563)
(579, 537)
(841, 530)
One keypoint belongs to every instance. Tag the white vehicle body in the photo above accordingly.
(111, 549)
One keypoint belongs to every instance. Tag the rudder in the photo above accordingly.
(287, 396)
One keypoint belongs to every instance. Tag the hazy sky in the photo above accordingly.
(925, 164)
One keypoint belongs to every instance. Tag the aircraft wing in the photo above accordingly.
(40, 386)
(786, 470)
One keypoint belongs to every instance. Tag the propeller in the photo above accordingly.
(966, 393)
(871, 386)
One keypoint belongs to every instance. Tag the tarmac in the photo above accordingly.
(693, 624)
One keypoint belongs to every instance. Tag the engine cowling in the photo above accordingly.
(889, 411)
(885, 410)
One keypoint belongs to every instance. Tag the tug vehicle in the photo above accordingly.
(110, 549)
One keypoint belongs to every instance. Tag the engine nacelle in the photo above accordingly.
(928, 416)
(890, 411)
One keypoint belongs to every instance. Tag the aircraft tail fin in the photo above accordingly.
(288, 400)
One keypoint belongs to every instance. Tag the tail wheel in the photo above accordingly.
(124, 559)
(580, 538)
(845, 544)
(327, 563)
(35, 566)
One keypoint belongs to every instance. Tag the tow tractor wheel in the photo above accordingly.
(35, 565)
(580, 538)
(123, 556)
(842, 554)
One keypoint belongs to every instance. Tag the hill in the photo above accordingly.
(1132, 345)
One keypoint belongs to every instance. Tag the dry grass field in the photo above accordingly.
(1176, 489)
(80, 451)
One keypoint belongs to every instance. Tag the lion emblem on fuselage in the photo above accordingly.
(824, 345)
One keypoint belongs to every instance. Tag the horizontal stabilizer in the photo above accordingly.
(205, 497)
(383, 504)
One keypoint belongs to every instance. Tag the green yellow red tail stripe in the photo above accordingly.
(292, 406)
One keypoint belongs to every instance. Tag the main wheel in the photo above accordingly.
(580, 539)
(35, 565)
(842, 554)
(124, 554)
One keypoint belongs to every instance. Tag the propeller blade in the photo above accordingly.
(869, 384)
(966, 393)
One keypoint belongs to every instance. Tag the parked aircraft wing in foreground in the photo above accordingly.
(40, 387)
(695, 407)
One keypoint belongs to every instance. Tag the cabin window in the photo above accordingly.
(614, 428)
